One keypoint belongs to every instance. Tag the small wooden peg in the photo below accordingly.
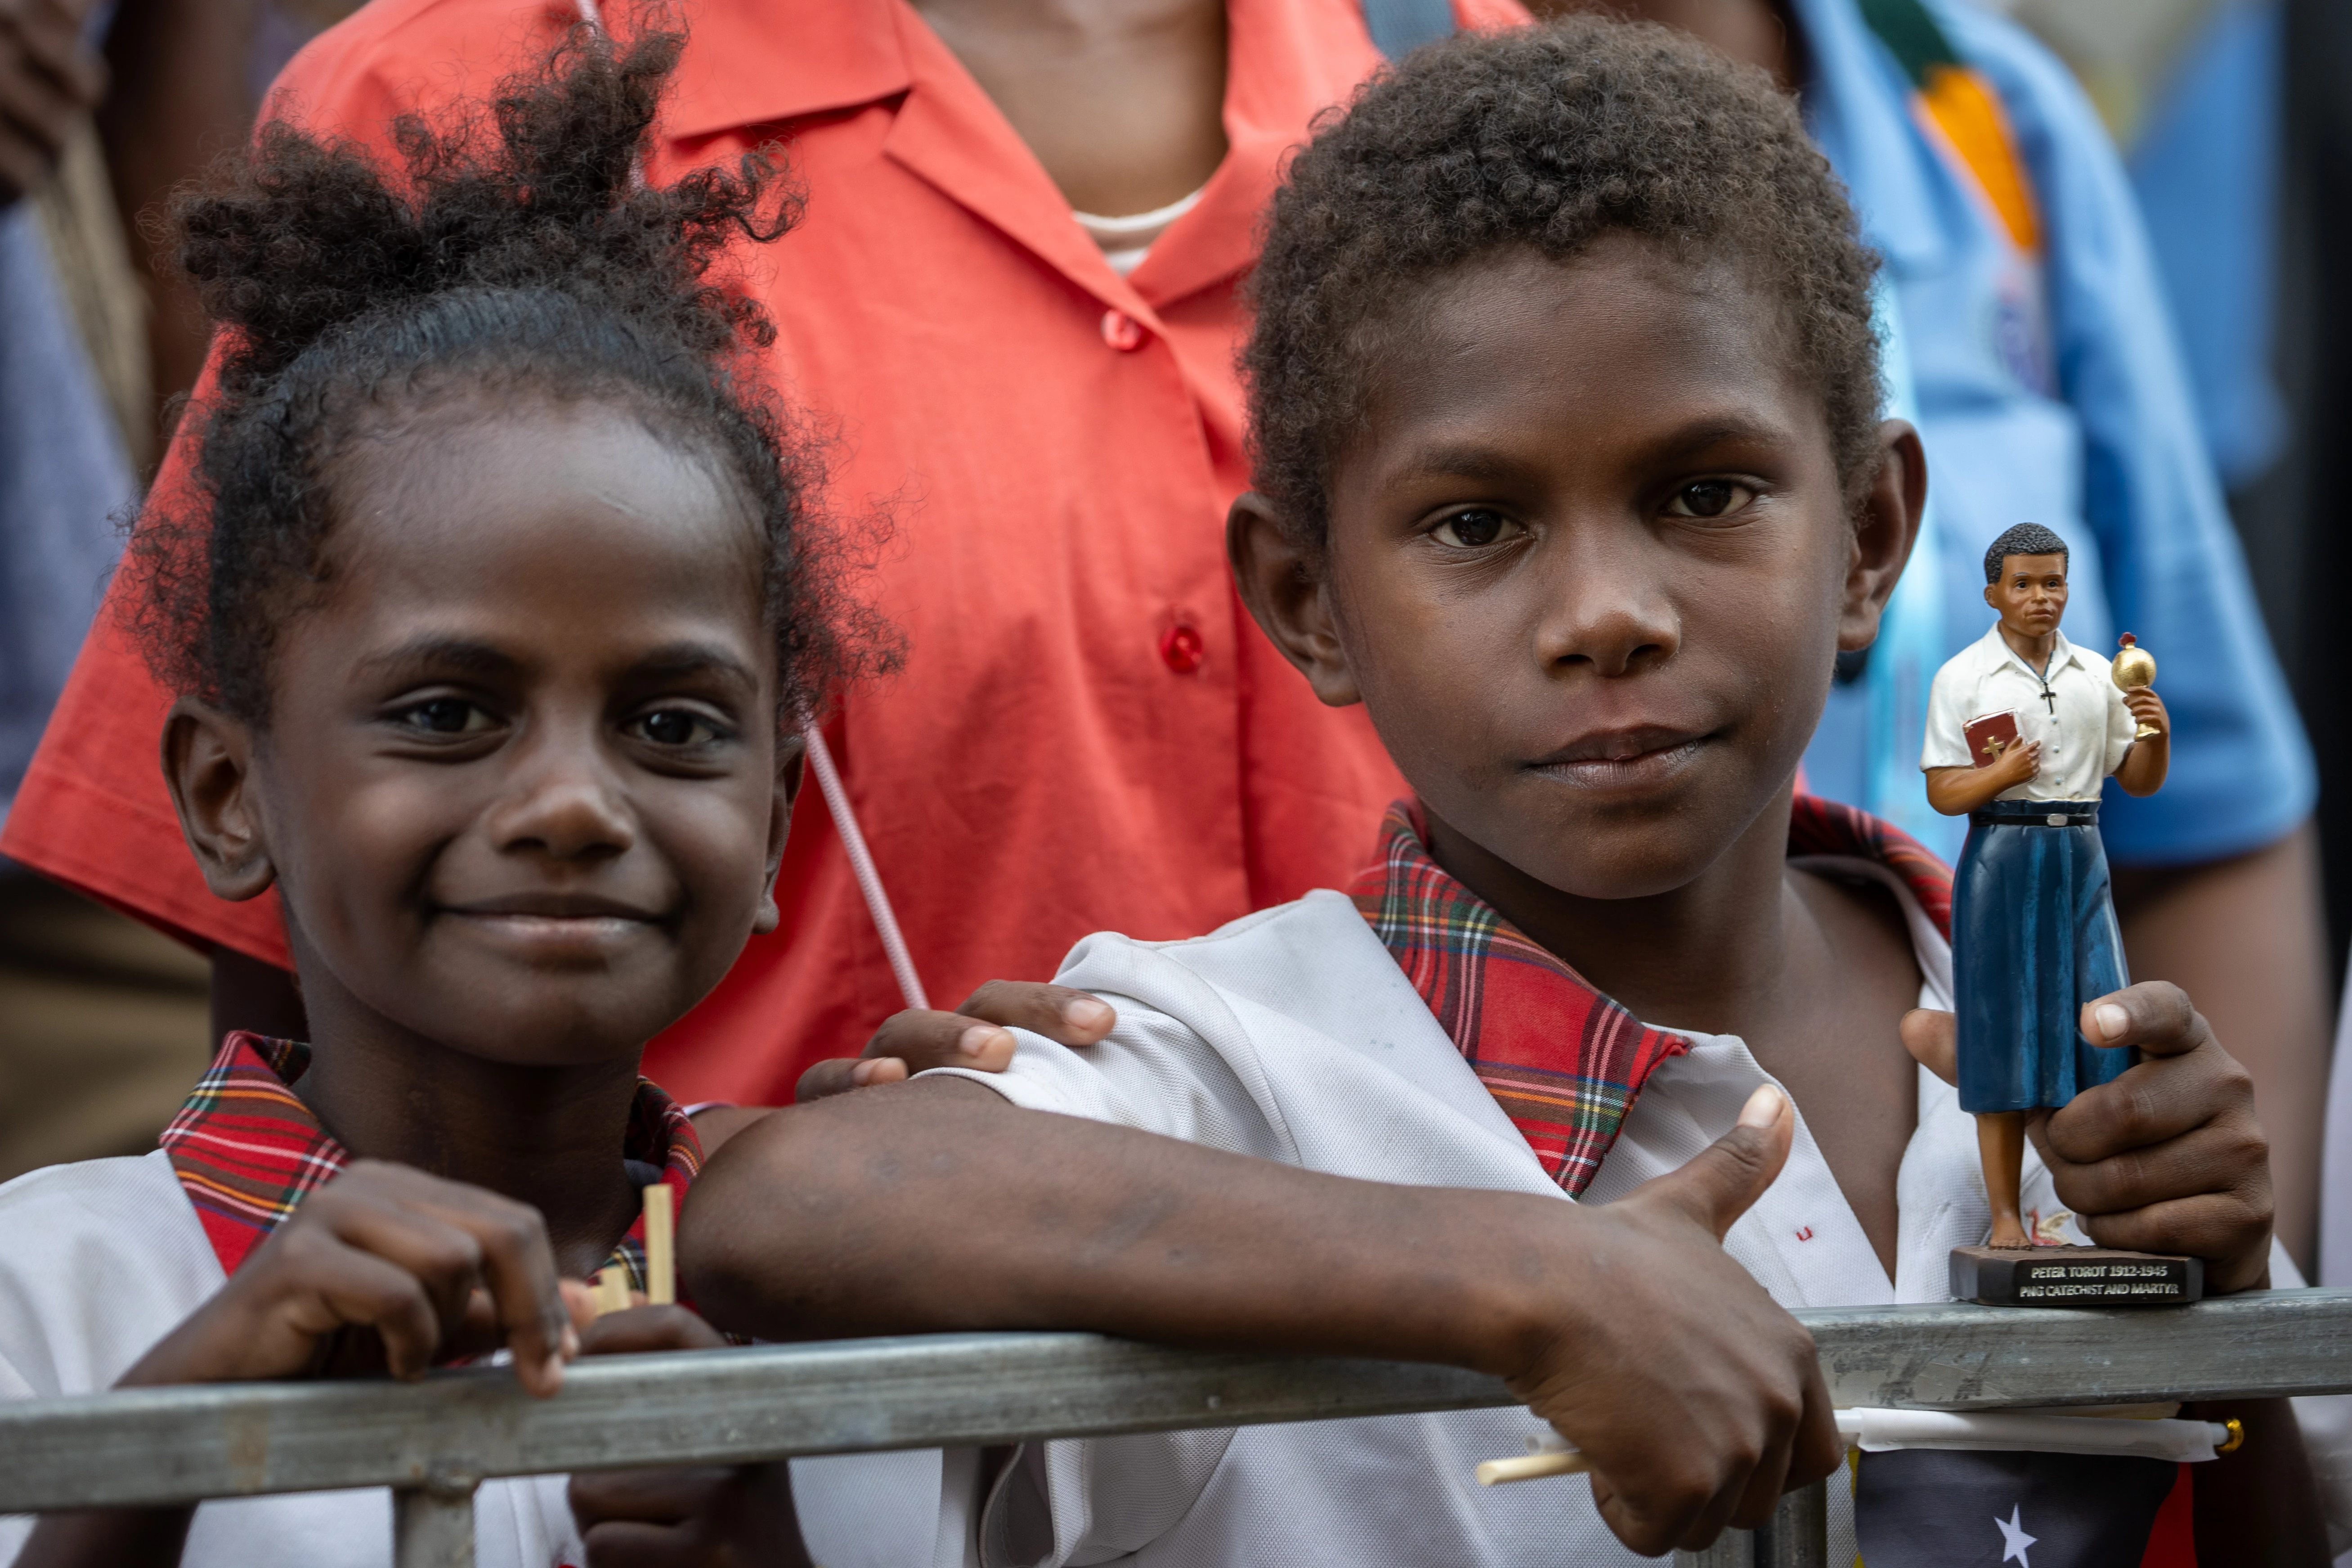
(661, 1250)
(612, 1289)
(1551, 1462)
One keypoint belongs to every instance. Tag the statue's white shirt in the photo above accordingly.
(2074, 708)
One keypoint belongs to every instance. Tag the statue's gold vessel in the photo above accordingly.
(2135, 667)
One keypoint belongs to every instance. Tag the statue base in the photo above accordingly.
(2074, 1277)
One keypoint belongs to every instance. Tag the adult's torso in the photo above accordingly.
(1087, 732)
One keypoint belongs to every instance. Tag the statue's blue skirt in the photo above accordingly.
(2034, 938)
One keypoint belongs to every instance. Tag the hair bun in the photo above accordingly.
(304, 233)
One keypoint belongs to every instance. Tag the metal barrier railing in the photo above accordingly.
(434, 1441)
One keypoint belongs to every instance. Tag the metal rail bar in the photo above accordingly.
(435, 1439)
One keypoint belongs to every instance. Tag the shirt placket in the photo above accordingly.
(2059, 764)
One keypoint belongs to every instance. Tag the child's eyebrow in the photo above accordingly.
(1461, 460)
(462, 656)
(684, 660)
(1480, 462)
(483, 661)
(1714, 430)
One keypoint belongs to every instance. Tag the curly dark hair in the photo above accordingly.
(1543, 139)
(520, 253)
(2025, 538)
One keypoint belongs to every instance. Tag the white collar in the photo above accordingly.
(2062, 652)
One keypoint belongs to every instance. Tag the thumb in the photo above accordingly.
(1933, 1039)
(1714, 1188)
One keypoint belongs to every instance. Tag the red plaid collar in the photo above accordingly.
(247, 1151)
(1564, 1061)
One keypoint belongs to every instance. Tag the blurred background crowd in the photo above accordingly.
(104, 108)
(2229, 125)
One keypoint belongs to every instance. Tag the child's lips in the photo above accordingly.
(1622, 759)
(545, 922)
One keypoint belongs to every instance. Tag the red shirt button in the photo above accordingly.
(1182, 648)
(1121, 330)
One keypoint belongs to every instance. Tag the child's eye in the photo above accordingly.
(445, 716)
(677, 727)
(1472, 529)
(1710, 497)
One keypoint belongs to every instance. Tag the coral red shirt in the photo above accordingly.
(1090, 733)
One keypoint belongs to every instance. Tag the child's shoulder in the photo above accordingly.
(103, 1257)
(124, 1191)
(1313, 959)
(1291, 1035)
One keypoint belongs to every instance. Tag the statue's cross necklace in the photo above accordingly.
(2047, 695)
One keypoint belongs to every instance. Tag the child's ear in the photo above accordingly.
(1287, 595)
(209, 767)
(1885, 527)
(792, 759)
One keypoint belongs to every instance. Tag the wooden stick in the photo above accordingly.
(1552, 1462)
(612, 1289)
(661, 1251)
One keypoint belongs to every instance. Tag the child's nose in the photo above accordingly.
(566, 809)
(1610, 613)
(1617, 640)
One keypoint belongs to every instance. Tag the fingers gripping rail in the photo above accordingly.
(434, 1441)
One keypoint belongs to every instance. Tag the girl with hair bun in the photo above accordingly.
(490, 606)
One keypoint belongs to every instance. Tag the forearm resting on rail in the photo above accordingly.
(937, 1206)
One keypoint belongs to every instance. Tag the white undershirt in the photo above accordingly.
(1124, 241)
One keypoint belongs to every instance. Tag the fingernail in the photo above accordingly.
(1763, 1106)
(863, 1073)
(568, 1345)
(555, 1373)
(2112, 1020)
(1086, 1013)
(978, 1038)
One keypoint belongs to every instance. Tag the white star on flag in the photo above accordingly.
(2013, 1539)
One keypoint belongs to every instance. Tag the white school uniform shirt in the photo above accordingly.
(2074, 709)
(106, 1256)
(1292, 1035)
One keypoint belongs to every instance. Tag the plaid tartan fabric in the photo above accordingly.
(1564, 1061)
(247, 1151)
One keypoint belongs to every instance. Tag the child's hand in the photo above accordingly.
(912, 1042)
(2167, 1158)
(730, 1516)
(420, 1268)
(1696, 1397)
